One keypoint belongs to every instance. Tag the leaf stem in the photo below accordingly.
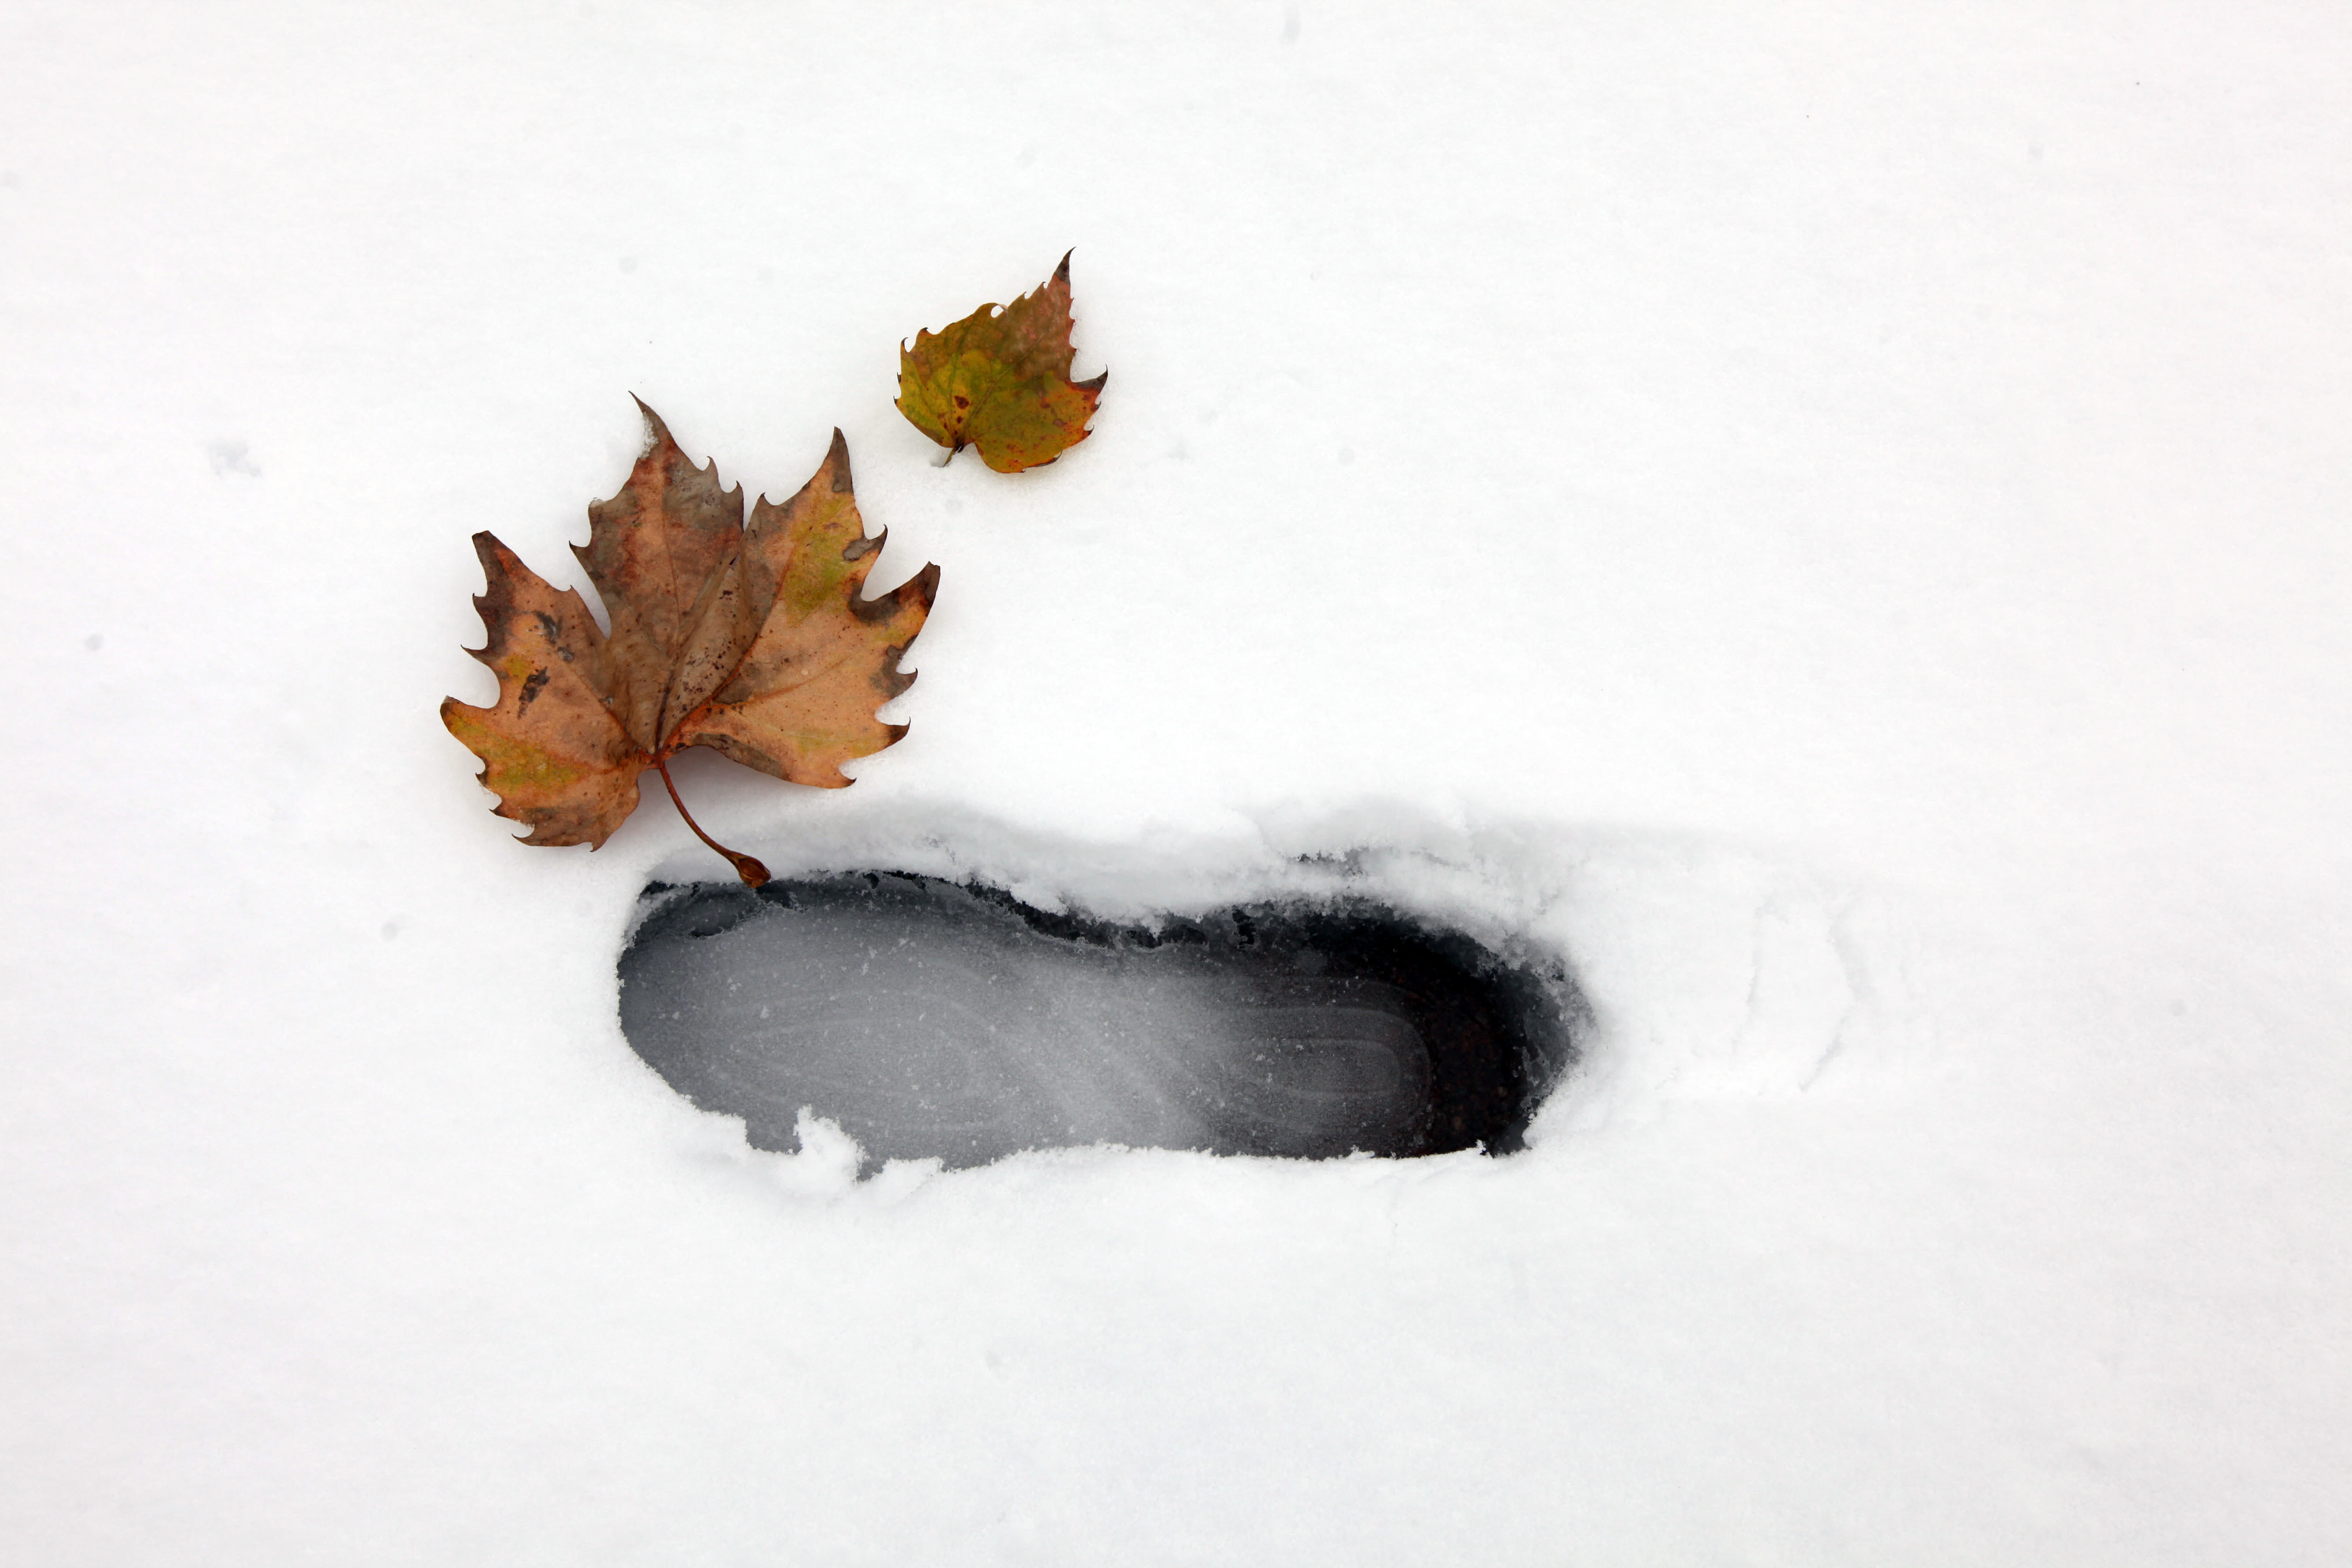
(750, 870)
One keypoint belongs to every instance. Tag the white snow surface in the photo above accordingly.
(1834, 517)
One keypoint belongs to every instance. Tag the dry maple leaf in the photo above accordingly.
(999, 380)
(750, 639)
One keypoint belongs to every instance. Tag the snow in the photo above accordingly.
(1831, 519)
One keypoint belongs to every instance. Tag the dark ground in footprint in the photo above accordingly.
(929, 1018)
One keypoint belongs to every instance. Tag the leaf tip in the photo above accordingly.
(656, 431)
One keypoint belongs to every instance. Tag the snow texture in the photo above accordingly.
(1833, 518)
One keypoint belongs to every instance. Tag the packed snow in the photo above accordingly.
(1833, 522)
(933, 1019)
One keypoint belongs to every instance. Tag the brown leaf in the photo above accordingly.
(552, 750)
(659, 554)
(802, 698)
(999, 380)
(753, 642)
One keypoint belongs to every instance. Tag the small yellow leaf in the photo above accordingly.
(999, 381)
